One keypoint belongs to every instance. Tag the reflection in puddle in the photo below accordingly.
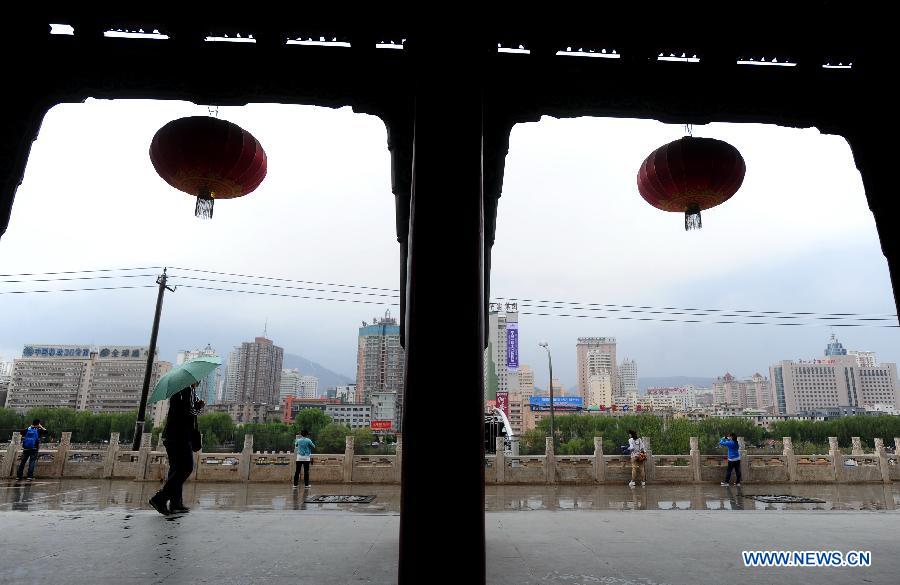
(86, 494)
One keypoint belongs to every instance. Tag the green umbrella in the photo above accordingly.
(182, 376)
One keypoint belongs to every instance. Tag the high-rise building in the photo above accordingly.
(380, 361)
(628, 380)
(206, 391)
(501, 357)
(384, 412)
(838, 379)
(599, 390)
(594, 354)
(526, 381)
(754, 393)
(254, 373)
(309, 387)
(290, 383)
(346, 393)
(864, 359)
(834, 347)
(97, 379)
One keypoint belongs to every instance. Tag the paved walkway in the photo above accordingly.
(98, 532)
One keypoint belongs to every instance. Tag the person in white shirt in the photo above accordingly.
(638, 456)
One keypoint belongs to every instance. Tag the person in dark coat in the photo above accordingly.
(180, 423)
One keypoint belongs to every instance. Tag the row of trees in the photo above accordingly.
(576, 433)
(86, 427)
(220, 433)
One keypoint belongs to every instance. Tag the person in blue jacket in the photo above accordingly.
(303, 447)
(734, 458)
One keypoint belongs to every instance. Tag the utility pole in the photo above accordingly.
(151, 356)
(546, 346)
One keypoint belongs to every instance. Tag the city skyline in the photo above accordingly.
(762, 250)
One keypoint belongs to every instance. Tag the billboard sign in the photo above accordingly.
(382, 425)
(559, 403)
(512, 345)
(503, 402)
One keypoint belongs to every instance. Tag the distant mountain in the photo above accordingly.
(673, 382)
(326, 377)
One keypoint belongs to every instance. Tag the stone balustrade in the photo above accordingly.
(149, 464)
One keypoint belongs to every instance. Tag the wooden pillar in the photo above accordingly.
(444, 279)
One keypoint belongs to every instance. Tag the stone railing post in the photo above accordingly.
(112, 453)
(695, 459)
(9, 462)
(62, 453)
(837, 458)
(500, 461)
(883, 461)
(790, 458)
(649, 464)
(143, 458)
(745, 463)
(549, 461)
(857, 446)
(246, 457)
(897, 447)
(349, 454)
(398, 460)
(599, 461)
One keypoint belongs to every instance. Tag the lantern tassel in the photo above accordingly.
(692, 219)
(204, 207)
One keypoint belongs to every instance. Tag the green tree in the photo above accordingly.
(311, 419)
(331, 438)
(10, 422)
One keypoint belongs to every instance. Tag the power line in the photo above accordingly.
(638, 308)
(80, 271)
(525, 303)
(272, 294)
(69, 278)
(286, 279)
(282, 286)
(23, 292)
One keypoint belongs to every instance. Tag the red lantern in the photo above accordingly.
(690, 175)
(209, 159)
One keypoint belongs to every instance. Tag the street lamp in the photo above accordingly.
(546, 346)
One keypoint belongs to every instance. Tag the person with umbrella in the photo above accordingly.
(180, 435)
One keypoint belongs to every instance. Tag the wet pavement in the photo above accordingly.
(86, 494)
(100, 532)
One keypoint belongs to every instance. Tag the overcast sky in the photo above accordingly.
(798, 236)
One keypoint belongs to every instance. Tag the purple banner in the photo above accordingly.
(512, 346)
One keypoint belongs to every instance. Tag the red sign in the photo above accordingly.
(382, 425)
(503, 402)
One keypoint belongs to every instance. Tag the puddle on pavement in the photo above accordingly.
(76, 495)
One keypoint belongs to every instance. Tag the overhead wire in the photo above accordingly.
(275, 283)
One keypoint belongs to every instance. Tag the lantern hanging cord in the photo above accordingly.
(689, 130)
(213, 111)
